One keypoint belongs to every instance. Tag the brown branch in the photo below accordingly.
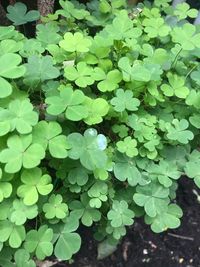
(3, 19)
(181, 236)
(45, 7)
(12, 2)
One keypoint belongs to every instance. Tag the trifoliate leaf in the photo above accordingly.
(47, 33)
(21, 152)
(78, 175)
(175, 87)
(153, 197)
(121, 28)
(82, 74)
(69, 10)
(120, 214)
(177, 131)
(18, 14)
(124, 100)
(170, 219)
(69, 102)
(111, 81)
(186, 36)
(97, 109)
(68, 242)
(75, 42)
(22, 259)
(40, 241)
(48, 134)
(125, 169)
(89, 148)
(39, 69)
(155, 27)
(34, 184)
(82, 209)
(128, 146)
(165, 172)
(20, 212)
(55, 208)
(121, 130)
(182, 11)
(15, 234)
(98, 194)
(19, 115)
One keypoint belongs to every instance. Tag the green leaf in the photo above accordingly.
(111, 81)
(182, 11)
(9, 68)
(18, 14)
(68, 242)
(170, 219)
(89, 148)
(48, 33)
(175, 87)
(34, 184)
(39, 69)
(15, 234)
(195, 75)
(69, 10)
(195, 120)
(125, 169)
(10, 46)
(78, 175)
(48, 134)
(186, 36)
(178, 131)
(21, 152)
(82, 209)
(153, 197)
(19, 115)
(192, 167)
(120, 214)
(22, 259)
(20, 212)
(155, 27)
(40, 242)
(82, 74)
(98, 194)
(68, 102)
(124, 100)
(165, 172)
(6, 88)
(97, 109)
(75, 42)
(55, 208)
(193, 99)
(121, 28)
(128, 146)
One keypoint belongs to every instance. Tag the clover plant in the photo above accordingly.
(99, 119)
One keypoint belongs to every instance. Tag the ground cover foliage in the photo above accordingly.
(99, 118)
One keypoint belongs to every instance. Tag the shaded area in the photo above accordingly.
(142, 248)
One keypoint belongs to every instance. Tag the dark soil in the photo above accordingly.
(142, 248)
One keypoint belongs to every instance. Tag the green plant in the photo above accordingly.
(99, 118)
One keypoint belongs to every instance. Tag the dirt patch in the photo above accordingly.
(142, 248)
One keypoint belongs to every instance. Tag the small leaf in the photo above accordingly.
(19, 15)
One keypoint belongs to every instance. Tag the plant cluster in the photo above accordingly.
(99, 118)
